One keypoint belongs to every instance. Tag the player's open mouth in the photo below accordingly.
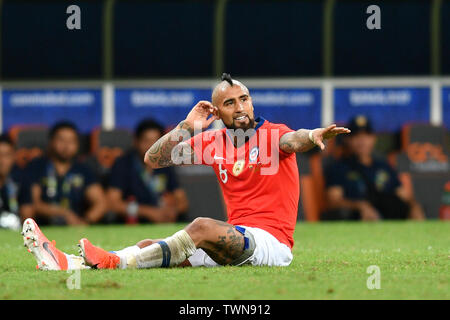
(241, 118)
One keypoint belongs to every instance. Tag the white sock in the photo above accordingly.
(75, 262)
(167, 253)
(128, 250)
(125, 253)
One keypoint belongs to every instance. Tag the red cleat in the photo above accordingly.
(97, 257)
(47, 256)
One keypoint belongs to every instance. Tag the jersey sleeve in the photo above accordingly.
(198, 144)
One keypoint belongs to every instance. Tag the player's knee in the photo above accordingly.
(199, 225)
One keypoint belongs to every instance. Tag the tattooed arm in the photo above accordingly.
(160, 153)
(303, 140)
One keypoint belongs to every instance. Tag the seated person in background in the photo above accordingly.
(14, 198)
(63, 190)
(360, 186)
(139, 193)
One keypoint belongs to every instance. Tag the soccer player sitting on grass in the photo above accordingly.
(256, 166)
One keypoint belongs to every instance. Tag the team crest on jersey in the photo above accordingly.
(254, 154)
(238, 167)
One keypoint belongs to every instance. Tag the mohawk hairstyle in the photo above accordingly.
(227, 77)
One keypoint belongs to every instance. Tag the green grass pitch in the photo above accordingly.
(330, 262)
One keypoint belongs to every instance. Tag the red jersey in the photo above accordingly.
(259, 181)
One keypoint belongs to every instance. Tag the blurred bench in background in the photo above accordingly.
(31, 142)
(424, 166)
(420, 153)
(105, 147)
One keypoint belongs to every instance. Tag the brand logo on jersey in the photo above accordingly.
(238, 167)
(218, 158)
(254, 154)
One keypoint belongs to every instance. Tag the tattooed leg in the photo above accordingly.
(220, 240)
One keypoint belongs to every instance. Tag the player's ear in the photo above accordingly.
(216, 111)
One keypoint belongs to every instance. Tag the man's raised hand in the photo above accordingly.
(200, 113)
(319, 135)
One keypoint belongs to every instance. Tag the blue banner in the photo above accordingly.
(168, 106)
(388, 108)
(297, 108)
(47, 106)
(446, 106)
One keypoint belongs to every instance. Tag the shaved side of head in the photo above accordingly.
(222, 87)
(233, 103)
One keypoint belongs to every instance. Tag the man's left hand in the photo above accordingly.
(320, 134)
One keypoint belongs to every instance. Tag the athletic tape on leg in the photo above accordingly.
(165, 253)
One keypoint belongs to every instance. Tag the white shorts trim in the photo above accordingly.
(268, 252)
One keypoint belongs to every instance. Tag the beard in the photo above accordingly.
(251, 125)
(241, 131)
